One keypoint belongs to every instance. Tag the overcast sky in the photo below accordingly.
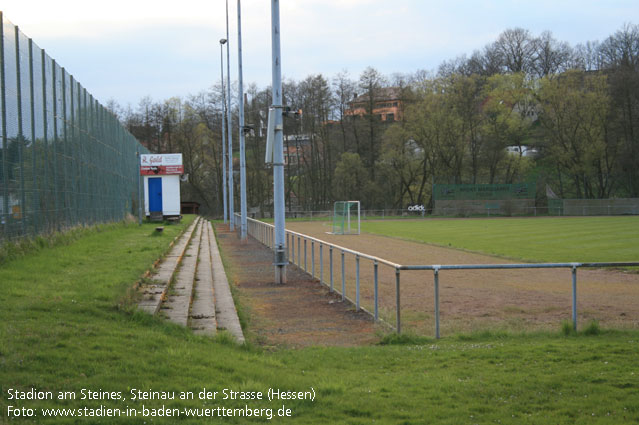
(127, 49)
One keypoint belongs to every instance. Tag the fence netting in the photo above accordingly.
(64, 159)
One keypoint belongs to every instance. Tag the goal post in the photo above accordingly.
(346, 218)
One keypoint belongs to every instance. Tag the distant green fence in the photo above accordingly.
(470, 199)
(64, 159)
(470, 192)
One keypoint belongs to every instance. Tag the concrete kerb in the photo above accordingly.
(224, 305)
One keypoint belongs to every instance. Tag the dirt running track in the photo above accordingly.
(470, 300)
(300, 313)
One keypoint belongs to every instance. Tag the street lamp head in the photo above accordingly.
(223, 41)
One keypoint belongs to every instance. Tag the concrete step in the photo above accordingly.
(202, 317)
(178, 300)
(153, 294)
(191, 287)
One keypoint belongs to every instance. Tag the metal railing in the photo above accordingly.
(298, 246)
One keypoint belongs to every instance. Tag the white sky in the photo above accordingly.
(125, 50)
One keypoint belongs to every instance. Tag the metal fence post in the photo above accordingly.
(398, 318)
(436, 272)
(299, 250)
(35, 201)
(343, 279)
(293, 249)
(5, 169)
(375, 266)
(55, 147)
(45, 139)
(313, 259)
(321, 260)
(574, 297)
(330, 264)
(357, 282)
(305, 265)
(21, 138)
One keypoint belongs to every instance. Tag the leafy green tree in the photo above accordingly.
(351, 177)
(508, 113)
(574, 112)
(620, 56)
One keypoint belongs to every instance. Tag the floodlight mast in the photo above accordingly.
(280, 260)
(226, 211)
(240, 89)
(229, 123)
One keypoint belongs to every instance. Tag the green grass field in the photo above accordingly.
(67, 323)
(557, 239)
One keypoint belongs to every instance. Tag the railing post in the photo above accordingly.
(330, 264)
(357, 283)
(305, 265)
(343, 279)
(299, 250)
(292, 248)
(574, 297)
(321, 264)
(398, 317)
(313, 259)
(375, 266)
(436, 272)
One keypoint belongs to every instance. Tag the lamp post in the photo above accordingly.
(226, 213)
(240, 90)
(278, 149)
(229, 122)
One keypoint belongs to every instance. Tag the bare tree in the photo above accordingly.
(517, 50)
(552, 56)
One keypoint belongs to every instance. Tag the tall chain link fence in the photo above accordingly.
(64, 159)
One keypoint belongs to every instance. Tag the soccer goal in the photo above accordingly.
(346, 219)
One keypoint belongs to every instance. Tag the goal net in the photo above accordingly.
(346, 219)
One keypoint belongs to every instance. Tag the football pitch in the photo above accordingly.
(470, 300)
(547, 239)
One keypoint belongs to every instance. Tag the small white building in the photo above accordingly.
(161, 174)
(523, 150)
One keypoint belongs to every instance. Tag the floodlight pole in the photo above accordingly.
(226, 212)
(229, 121)
(278, 149)
(240, 90)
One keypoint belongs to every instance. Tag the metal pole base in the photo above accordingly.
(280, 263)
(280, 275)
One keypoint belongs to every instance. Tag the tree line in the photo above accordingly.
(474, 120)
